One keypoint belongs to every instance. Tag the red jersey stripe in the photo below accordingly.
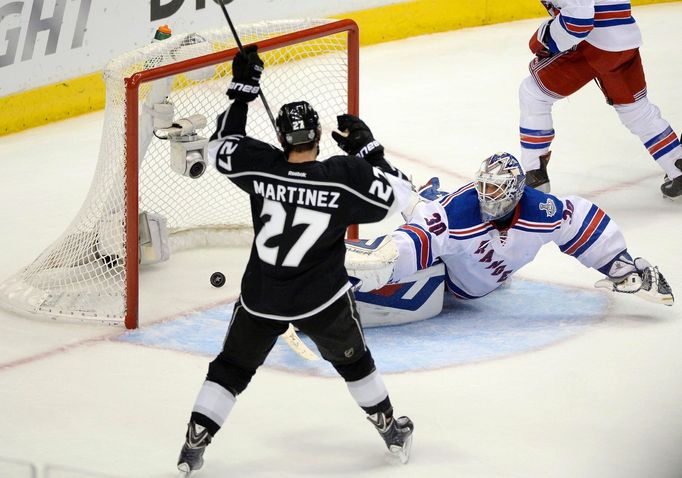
(423, 238)
(587, 233)
(612, 15)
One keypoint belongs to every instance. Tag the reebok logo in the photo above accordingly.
(297, 174)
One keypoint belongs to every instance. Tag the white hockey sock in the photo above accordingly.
(368, 391)
(536, 127)
(214, 402)
(643, 119)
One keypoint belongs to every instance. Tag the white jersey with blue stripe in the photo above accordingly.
(479, 258)
(605, 24)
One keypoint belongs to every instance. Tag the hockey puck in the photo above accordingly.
(224, 2)
(217, 279)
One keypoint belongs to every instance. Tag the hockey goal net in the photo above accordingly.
(91, 271)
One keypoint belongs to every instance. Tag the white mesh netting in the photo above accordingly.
(82, 275)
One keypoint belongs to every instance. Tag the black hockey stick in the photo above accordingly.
(222, 4)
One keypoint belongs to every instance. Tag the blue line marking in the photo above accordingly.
(523, 317)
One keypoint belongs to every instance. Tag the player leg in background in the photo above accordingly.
(625, 89)
(550, 80)
(248, 342)
(337, 332)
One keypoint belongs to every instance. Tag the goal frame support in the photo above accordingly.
(132, 85)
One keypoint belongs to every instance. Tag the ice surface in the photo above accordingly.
(604, 402)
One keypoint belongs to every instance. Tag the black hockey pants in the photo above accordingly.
(336, 331)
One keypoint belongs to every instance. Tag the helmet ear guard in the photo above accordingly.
(499, 183)
(297, 123)
(300, 137)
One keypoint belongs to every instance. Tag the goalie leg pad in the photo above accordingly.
(416, 297)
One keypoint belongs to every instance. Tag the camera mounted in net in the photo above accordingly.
(188, 149)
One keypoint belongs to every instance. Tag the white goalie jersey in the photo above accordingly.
(478, 258)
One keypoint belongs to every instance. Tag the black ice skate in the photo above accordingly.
(191, 455)
(538, 178)
(672, 189)
(396, 432)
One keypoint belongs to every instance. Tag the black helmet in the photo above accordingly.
(297, 123)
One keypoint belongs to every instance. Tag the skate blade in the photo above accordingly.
(402, 453)
(185, 472)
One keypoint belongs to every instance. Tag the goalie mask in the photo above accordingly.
(499, 183)
(297, 123)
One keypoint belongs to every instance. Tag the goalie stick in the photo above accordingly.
(297, 345)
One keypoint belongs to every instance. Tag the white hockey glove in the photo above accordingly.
(371, 261)
(639, 278)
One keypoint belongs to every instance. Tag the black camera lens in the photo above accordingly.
(197, 169)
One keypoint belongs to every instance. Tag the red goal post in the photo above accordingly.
(132, 85)
(91, 272)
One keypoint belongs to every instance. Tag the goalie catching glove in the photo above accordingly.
(637, 277)
(371, 261)
(247, 68)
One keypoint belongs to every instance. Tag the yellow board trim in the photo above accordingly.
(419, 17)
(403, 20)
(51, 103)
(392, 22)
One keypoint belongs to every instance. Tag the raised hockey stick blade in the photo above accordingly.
(296, 344)
(222, 4)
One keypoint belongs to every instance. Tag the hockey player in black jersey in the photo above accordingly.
(301, 209)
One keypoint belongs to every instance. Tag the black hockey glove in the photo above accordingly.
(355, 137)
(247, 67)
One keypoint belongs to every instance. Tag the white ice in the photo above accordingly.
(605, 404)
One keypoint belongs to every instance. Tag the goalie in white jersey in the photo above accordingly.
(488, 229)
